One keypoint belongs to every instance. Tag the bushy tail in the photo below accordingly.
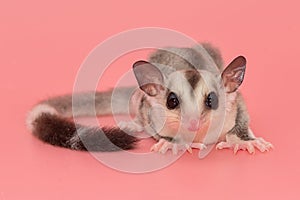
(51, 121)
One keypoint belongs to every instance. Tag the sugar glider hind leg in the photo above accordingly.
(241, 137)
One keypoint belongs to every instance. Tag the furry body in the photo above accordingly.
(181, 89)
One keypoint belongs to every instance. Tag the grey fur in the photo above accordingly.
(85, 104)
(199, 57)
(241, 128)
(188, 58)
(202, 57)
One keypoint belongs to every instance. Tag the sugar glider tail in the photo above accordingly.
(59, 131)
(51, 121)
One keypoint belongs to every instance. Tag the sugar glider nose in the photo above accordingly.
(194, 125)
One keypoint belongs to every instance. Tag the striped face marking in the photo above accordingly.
(193, 77)
(188, 100)
(184, 99)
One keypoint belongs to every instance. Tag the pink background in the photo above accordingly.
(43, 44)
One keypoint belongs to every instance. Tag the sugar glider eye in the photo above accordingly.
(211, 101)
(172, 101)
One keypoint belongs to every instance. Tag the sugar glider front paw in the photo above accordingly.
(130, 126)
(199, 146)
(234, 142)
(163, 145)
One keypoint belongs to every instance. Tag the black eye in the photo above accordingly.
(172, 101)
(212, 101)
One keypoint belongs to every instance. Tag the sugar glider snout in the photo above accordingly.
(191, 123)
(194, 125)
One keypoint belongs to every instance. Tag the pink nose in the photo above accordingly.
(194, 125)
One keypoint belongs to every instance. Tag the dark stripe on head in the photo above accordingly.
(193, 77)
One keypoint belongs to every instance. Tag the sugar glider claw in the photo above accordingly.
(237, 144)
(199, 146)
(162, 146)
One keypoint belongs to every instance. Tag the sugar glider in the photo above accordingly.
(180, 89)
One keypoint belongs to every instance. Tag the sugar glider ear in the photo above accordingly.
(233, 74)
(149, 77)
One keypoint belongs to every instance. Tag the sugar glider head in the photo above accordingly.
(183, 101)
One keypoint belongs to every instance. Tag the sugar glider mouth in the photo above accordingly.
(197, 128)
(194, 125)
